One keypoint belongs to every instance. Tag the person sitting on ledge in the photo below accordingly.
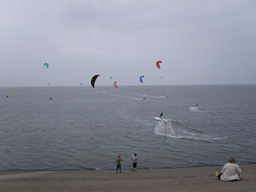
(230, 171)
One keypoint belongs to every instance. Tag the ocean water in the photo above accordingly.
(77, 128)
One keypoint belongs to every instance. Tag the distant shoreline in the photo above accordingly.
(120, 85)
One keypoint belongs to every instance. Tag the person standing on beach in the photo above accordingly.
(230, 171)
(134, 162)
(118, 164)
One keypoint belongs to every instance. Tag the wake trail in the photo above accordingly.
(151, 96)
(182, 133)
(122, 96)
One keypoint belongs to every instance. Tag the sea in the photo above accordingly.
(85, 128)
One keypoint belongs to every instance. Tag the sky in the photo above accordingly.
(200, 42)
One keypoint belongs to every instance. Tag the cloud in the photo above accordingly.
(116, 37)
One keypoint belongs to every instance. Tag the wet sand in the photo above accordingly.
(178, 179)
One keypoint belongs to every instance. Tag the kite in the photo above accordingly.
(94, 79)
(46, 65)
(115, 84)
(141, 78)
(158, 64)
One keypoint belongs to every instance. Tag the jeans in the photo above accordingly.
(118, 167)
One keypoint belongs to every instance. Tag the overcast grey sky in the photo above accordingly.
(199, 41)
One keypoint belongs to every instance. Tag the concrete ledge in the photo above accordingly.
(180, 179)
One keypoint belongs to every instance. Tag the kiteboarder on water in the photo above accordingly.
(161, 115)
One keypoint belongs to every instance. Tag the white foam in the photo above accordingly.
(194, 109)
(198, 110)
(181, 133)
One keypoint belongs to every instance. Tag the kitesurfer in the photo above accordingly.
(161, 115)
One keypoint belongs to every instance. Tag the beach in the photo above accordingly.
(173, 179)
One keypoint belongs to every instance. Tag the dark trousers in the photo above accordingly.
(118, 167)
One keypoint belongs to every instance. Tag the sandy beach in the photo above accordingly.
(176, 179)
